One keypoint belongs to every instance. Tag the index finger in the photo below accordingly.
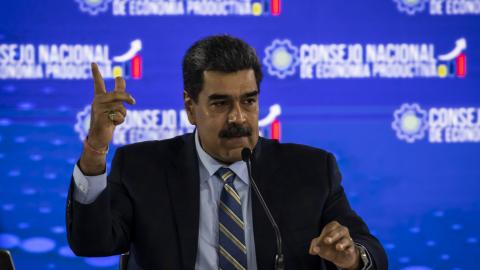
(99, 84)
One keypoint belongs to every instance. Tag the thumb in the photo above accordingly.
(314, 248)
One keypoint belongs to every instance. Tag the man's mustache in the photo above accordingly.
(235, 130)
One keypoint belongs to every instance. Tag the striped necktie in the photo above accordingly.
(232, 251)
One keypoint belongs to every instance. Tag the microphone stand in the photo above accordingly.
(279, 259)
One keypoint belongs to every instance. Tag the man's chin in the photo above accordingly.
(234, 147)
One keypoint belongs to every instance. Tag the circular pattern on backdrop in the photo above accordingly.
(102, 262)
(37, 245)
(8, 241)
(416, 267)
(58, 229)
(65, 251)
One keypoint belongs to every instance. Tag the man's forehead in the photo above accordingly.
(246, 76)
(232, 84)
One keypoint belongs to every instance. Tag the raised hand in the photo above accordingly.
(335, 245)
(107, 109)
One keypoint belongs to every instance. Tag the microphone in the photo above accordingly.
(279, 260)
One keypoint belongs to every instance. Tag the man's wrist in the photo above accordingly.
(91, 164)
(103, 150)
(364, 262)
(358, 262)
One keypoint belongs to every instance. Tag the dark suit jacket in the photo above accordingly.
(151, 206)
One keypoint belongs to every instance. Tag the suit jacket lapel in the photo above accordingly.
(263, 170)
(184, 185)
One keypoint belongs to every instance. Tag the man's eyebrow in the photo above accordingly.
(250, 94)
(217, 96)
(221, 96)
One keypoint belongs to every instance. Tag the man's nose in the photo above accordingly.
(236, 114)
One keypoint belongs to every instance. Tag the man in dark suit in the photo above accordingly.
(186, 202)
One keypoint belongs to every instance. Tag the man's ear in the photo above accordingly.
(188, 103)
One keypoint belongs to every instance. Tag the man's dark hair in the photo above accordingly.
(217, 53)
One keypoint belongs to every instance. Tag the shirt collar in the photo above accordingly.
(212, 165)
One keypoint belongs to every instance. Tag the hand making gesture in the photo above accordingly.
(107, 111)
(335, 245)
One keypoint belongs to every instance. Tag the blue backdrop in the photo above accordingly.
(390, 86)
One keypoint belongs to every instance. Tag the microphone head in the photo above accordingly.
(246, 153)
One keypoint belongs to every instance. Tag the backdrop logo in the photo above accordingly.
(439, 7)
(443, 125)
(67, 61)
(386, 60)
(129, 64)
(454, 63)
(143, 125)
(411, 6)
(410, 122)
(281, 58)
(93, 7)
(182, 7)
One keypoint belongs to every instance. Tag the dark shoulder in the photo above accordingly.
(293, 152)
(307, 163)
(165, 147)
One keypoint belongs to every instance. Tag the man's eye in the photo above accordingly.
(250, 101)
(219, 103)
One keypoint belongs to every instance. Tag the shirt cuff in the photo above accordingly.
(87, 188)
(367, 265)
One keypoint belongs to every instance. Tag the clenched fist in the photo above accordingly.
(335, 245)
